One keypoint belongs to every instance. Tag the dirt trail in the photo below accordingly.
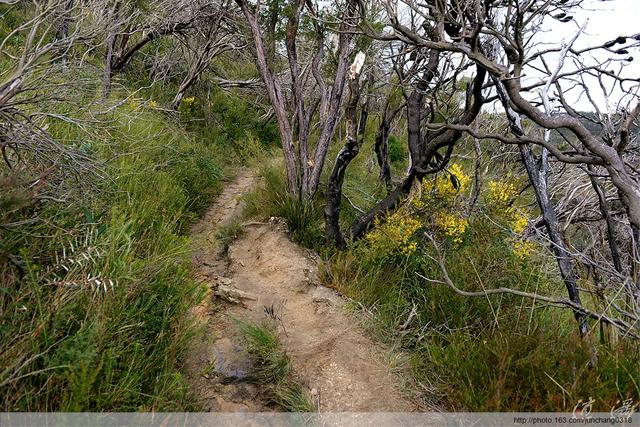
(343, 369)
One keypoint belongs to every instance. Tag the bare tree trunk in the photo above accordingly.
(382, 149)
(108, 74)
(277, 99)
(274, 14)
(606, 214)
(538, 179)
(300, 122)
(350, 20)
(119, 62)
(477, 172)
(348, 153)
(187, 82)
(63, 30)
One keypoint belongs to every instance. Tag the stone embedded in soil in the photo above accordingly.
(231, 360)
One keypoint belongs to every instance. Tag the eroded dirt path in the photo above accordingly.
(343, 369)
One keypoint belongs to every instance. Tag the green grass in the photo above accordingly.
(229, 232)
(98, 321)
(272, 367)
(271, 199)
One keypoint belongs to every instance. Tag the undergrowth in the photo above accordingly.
(497, 353)
(96, 318)
(501, 353)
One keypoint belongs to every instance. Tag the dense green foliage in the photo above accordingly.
(96, 286)
(77, 342)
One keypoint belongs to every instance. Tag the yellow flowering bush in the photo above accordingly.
(189, 100)
(395, 233)
(418, 203)
(451, 225)
(152, 104)
(500, 195)
(518, 220)
(523, 248)
(501, 192)
(134, 103)
(442, 186)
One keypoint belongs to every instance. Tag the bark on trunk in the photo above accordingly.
(349, 152)
(606, 214)
(538, 179)
(350, 20)
(108, 73)
(390, 203)
(277, 99)
(382, 149)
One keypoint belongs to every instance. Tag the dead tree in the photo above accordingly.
(425, 145)
(208, 39)
(346, 154)
(295, 116)
(500, 37)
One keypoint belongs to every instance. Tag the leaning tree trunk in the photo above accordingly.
(424, 150)
(538, 179)
(277, 98)
(608, 218)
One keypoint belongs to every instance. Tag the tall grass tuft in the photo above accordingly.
(304, 217)
(272, 367)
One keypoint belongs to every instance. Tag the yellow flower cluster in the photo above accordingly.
(501, 192)
(152, 104)
(418, 203)
(395, 233)
(189, 100)
(443, 187)
(519, 220)
(523, 248)
(453, 226)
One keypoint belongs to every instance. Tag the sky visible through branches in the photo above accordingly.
(605, 20)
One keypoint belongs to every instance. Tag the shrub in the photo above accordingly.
(272, 367)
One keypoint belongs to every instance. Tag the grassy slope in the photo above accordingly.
(71, 340)
(85, 347)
